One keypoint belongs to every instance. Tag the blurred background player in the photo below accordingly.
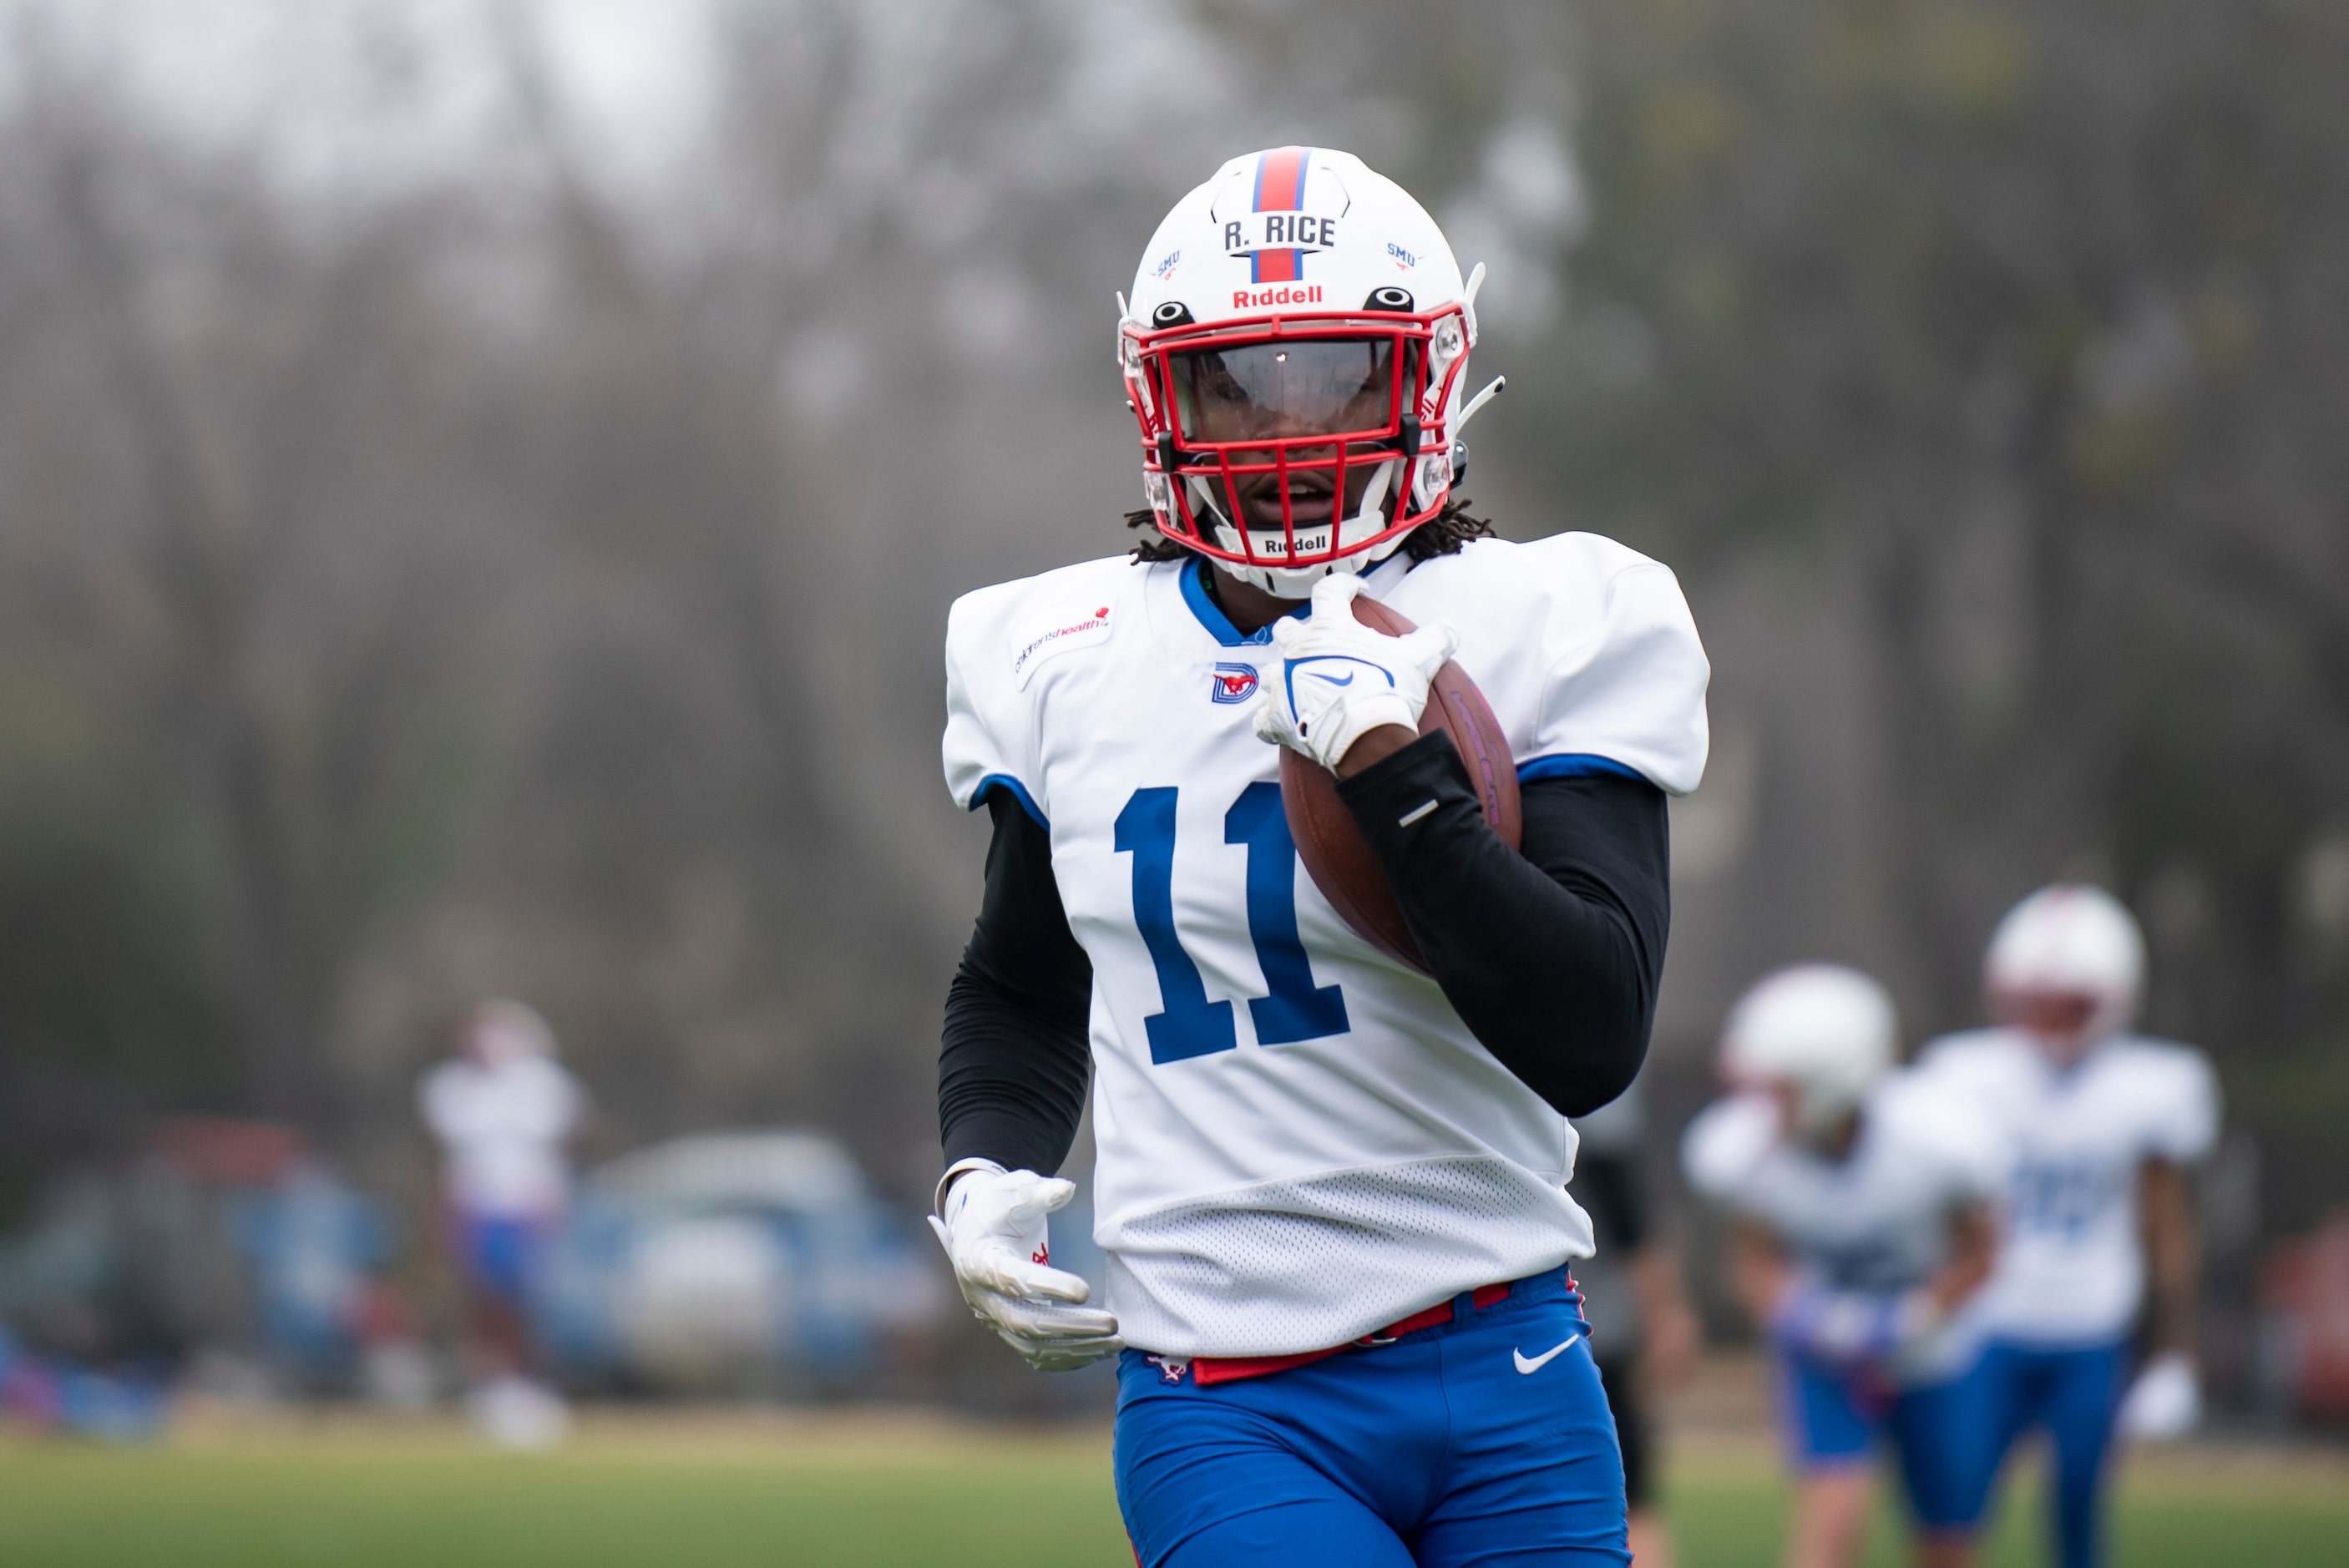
(2105, 1125)
(1862, 1229)
(1643, 1334)
(503, 1110)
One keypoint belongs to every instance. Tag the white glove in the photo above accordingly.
(1853, 1327)
(2165, 1402)
(1727, 1143)
(1340, 680)
(994, 1232)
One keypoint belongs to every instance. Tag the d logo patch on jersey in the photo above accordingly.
(1233, 683)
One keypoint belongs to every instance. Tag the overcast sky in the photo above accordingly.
(345, 97)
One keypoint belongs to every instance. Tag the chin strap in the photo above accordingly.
(1375, 511)
(1493, 389)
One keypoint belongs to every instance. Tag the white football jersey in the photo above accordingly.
(502, 1125)
(2071, 1267)
(1299, 1139)
(1876, 1220)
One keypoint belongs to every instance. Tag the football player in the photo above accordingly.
(1862, 1230)
(1330, 1188)
(504, 1108)
(2106, 1126)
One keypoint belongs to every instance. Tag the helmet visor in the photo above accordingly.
(1285, 389)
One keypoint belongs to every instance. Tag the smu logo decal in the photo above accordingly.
(1233, 683)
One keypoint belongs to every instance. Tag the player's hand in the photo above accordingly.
(1338, 680)
(994, 1232)
(2165, 1402)
(1854, 1330)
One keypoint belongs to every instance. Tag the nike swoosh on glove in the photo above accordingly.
(1340, 680)
(993, 1229)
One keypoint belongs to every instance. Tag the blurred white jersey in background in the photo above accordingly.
(503, 1124)
(1876, 1221)
(2071, 1264)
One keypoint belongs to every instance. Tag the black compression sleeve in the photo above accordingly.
(1551, 956)
(1014, 1062)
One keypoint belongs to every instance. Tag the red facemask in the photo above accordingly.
(1288, 421)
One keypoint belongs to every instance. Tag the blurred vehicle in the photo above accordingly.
(227, 1244)
(2304, 1336)
(736, 1261)
(54, 1393)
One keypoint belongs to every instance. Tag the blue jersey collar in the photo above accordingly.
(1211, 614)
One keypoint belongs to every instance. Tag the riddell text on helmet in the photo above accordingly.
(1288, 293)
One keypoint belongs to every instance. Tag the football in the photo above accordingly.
(1335, 854)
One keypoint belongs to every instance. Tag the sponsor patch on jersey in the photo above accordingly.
(1048, 637)
(1233, 683)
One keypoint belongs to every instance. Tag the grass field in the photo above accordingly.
(861, 1491)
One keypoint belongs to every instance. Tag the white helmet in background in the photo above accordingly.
(1293, 351)
(2067, 965)
(1826, 1031)
(503, 1030)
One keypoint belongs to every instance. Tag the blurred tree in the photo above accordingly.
(214, 422)
(502, 577)
(2025, 322)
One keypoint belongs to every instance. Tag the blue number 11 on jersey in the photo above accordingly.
(1190, 1025)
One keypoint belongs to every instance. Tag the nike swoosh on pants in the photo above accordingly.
(1537, 1362)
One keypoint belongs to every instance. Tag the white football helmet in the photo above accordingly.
(1827, 1032)
(503, 1030)
(1293, 351)
(2069, 942)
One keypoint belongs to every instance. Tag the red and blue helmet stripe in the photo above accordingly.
(1280, 188)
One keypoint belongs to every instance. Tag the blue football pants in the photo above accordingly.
(1436, 1451)
(2075, 1393)
(1935, 1433)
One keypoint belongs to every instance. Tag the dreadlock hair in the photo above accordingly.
(1442, 534)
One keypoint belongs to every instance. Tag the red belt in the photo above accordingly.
(1206, 1369)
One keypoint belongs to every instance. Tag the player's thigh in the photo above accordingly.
(1619, 1375)
(1329, 1532)
(1535, 1475)
(1825, 1422)
(2084, 1395)
(501, 1254)
(1204, 1479)
(1947, 1440)
(2015, 1389)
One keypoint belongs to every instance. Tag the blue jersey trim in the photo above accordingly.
(1575, 765)
(1018, 793)
(1211, 615)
